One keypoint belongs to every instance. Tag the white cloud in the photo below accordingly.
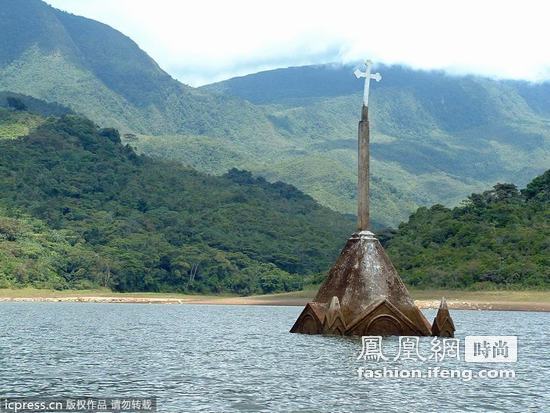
(204, 41)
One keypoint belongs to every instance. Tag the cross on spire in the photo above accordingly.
(368, 76)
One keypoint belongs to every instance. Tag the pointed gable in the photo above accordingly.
(310, 320)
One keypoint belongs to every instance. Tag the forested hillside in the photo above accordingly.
(101, 73)
(79, 209)
(499, 238)
(436, 138)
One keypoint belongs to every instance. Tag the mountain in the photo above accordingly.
(99, 72)
(499, 238)
(436, 138)
(79, 209)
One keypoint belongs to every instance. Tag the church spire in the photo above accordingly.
(363, 164)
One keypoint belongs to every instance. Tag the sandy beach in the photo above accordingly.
(425, 299)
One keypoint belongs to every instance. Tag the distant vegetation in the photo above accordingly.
(497, 239)
(78, 209)
(17, 123)
(21, 102)
(25, 114)
(436, 138)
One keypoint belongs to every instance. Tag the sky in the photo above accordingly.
(203, 41)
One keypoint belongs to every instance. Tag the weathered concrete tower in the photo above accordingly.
(363, 294)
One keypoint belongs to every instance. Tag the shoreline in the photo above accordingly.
(457, 300)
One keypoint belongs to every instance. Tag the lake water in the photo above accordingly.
(242, 358)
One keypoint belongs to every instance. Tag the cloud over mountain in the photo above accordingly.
(202, 42)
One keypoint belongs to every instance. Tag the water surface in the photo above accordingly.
(242, 358)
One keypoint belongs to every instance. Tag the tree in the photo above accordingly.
(16, 103)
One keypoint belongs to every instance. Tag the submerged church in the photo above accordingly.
(363, 294)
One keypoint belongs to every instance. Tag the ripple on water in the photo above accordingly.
(239, 358)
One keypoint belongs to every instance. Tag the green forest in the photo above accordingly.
(435, 138)
(499, 238)
(79, 210)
